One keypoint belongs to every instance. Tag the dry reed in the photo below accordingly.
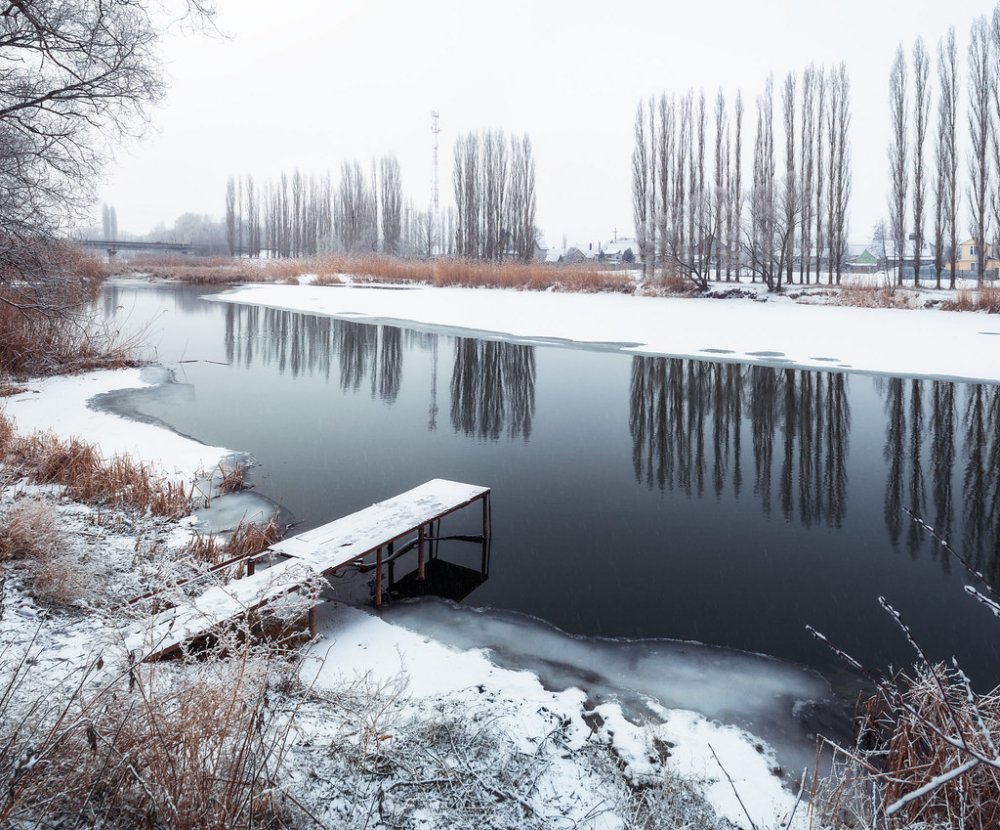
(873, 296)
(45, 326)
(247, 539)
(87, 477)
(985, 299)
(201, 746)
(333, 269)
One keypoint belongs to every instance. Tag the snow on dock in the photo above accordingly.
(317, 552)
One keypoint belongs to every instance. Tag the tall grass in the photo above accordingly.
(199, 746)
(45, 325)
(334, 269)
(985, 299)
(78, 466)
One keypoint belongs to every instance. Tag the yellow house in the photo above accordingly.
(967, 255)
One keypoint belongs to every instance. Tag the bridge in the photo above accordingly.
(113, 246)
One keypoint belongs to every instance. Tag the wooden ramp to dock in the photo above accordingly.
(317, 552)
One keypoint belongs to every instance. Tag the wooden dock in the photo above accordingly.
(318, 552)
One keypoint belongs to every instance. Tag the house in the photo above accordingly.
(967, 263)
(864, 263)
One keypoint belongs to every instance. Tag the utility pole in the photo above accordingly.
(435, 129)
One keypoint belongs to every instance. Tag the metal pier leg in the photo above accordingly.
(421, 532)
(378, 577)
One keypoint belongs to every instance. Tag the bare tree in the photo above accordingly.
(921, 112)
(898, 112)
(392, 203)
(230, 215)
(947, 137)
(665, 165)
(981, 80)
(640, 187)
(840, 168)
(791, 202)
(736, 188)
(807, 135)
(821, 82)
(719, 193)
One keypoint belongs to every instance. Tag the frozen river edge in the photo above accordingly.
(354, 643)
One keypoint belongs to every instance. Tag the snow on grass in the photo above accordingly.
(357, 645)
(61, 405)
(912, 342)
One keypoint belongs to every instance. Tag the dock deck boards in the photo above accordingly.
(344, 540)
(322, 550)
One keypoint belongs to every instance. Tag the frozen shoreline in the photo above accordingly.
(781, 332)
(356, 644)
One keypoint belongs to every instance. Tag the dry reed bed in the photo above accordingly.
(331, 269)
(984, 299)
(195, 746)
(76, 465)
(45, 324)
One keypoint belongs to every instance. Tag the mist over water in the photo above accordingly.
(633, 497)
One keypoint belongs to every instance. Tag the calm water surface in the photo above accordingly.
(633, 496)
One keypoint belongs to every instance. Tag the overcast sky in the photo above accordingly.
(310, 84)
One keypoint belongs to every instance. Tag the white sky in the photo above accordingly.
(310, 84)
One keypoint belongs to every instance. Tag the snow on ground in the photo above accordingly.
(61, 405)
(911, 342)
(356, 643)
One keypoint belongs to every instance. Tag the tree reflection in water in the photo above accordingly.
(493, 389)
(307, 344)
(923, 428)
(803, 415)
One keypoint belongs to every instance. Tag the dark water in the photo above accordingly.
(633, 496)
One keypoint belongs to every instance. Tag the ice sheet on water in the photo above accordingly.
(225, 512)
(763, 695)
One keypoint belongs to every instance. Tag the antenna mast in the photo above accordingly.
(435, 129)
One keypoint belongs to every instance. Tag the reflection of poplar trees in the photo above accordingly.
(307, 343)
(921, 434)
(672, 402)
(981, 492)
(493, 388)
(905, 436)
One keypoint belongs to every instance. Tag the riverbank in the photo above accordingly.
(780, 332)
(368, 695)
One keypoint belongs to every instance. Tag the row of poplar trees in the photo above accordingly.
(494, 189)
(302, 215)
(911, 172)
(785, 221)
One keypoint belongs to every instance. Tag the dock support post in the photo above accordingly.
(312, 619)
(421, 533)
(378, 577)
(486, 514)
(251, 565)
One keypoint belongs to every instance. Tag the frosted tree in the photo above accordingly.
(807, 138)
(981, 81)
(791, 199)
(947, 154)
(898, 112)
(839, 185)
(640, 187)
(231, 215)
(392, 203)
(921, 112)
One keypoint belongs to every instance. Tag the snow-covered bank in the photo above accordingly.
(355, 643)
(63, 406)
(911, 342)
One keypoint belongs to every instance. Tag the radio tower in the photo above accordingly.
(435, 129)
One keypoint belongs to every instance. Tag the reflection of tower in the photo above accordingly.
(432, 424)
(435, 129)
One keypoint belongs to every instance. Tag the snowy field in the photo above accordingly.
(691, 729)
(908, 342)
